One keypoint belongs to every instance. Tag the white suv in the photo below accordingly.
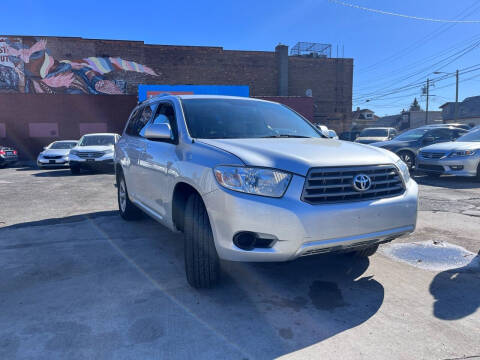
(251, 180)
(93, 151)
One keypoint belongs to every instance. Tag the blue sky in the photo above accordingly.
(388, 52)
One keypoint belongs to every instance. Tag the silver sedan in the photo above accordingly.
(460, 157)
(55, 154)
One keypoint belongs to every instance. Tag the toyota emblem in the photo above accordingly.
(361, 182)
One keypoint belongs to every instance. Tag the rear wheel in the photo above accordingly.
(128, 210)
(75, 170)
(408, 158)
(478, 172)
(202, 264)
(366, 252)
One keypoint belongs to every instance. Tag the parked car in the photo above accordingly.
(407, 144)
(8, 156)
(332, 134)
(376, 134)
(93, 152)
(55, 154)
(217, 169)
(460, 157)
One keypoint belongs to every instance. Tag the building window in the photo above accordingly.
(88, 128)
(43, 130)
(3, 132)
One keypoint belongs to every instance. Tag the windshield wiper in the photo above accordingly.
(285, 136)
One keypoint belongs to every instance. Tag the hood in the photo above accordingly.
(453, 145)
(299, 155)
(56, 152)
(93, 148)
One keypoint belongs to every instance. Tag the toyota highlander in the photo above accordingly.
(252, 180)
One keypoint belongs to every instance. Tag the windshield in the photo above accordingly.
(410, 135)
(374, 133)
(472, 136)
(62, 145)
(93, 140)
(243, 119)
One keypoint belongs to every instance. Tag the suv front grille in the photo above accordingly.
(53, 156)
(432, 155)
(328, 185)
(90, 154)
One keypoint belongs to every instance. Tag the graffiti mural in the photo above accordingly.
(29, 67)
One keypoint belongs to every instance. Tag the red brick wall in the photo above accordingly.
(18, 111)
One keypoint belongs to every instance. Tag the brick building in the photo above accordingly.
(69, 67)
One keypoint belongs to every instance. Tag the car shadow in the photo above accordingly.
(97, 272)
(457, 291)
(447, 181)
(66, 173)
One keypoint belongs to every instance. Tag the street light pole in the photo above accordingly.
(426, 112)
(456, 98)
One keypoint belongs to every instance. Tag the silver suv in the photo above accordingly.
(251, 180)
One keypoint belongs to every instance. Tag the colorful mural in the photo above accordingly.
(28, 67)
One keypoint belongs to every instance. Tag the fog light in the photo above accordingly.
(456, 167)
(247, 240)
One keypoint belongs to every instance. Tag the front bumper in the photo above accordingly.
(303, 229)
(105, 161)
(460, 166)
(42, 162)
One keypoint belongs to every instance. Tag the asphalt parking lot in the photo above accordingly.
(78, 282)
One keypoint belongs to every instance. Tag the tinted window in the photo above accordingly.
(442, 135)
(236, 118)
(62, 145)
(374, 133)
(97, 140)
(411, 135)
(165, 114)
(139, 119)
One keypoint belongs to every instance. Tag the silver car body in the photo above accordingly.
(154, 169)
(440, 159)
(54, 157)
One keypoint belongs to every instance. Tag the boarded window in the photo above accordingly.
(89, 128)
(43, 130)
(3, 132)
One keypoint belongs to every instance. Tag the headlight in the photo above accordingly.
(258, 181)
(109, 151)
(455, 153)
(73, 152)
(403, 168)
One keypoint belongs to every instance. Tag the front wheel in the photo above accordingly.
(408, 158)
(202, 264)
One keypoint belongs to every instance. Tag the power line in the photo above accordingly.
(404, 15)
(414, 46)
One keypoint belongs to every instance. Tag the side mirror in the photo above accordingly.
(158, 132)
(428, 140)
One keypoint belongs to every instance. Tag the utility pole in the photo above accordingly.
(428, 93)
(456, 99)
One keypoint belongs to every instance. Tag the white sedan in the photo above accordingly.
(55, 154)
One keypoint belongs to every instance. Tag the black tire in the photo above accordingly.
(75, 170)
(202, 264)
(128, 211)
(369, 251)
(478, 172)
(408, 158)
